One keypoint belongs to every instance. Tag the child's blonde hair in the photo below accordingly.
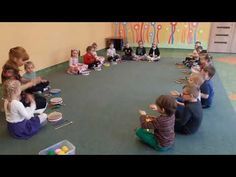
(197, 79)
(28, 63)
(10, 87)
(192, 89)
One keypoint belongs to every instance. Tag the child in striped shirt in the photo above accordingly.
(163, 125)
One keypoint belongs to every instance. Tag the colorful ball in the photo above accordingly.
(65, 149)
(61, 153)
(51, 152)
(57, 151)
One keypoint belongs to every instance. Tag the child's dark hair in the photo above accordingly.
(140, 41)
(210, 70)
(28, 63)
(198, 42)
(207, 57)
(94, 44)
(199, 48)
(167, 103)
(89, 48)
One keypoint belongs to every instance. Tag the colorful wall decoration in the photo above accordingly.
(166, 34)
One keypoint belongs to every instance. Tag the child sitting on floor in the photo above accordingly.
(194, 55)
(99, 58)
(154, 53)
(207, 90)
(205, 60)
(128, 52)
(74, 66)
(140, 52)
(21, 122)
(163, 125)
(195, 79)
(112, 56)
(189, 118)
(30, 74)
(90, 59)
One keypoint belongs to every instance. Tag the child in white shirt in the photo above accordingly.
(21, 121)
(74, 66)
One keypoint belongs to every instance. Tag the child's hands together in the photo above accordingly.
(30, 98)
(143, 113)
(43, 80)
(153, 107)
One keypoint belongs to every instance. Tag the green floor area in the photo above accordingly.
(104, 109)
(227, 73)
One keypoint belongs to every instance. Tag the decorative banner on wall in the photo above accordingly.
(165, 34)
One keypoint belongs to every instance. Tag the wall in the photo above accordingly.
(166, 34)
(50, 43)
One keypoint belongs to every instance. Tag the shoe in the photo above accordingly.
(114, 63)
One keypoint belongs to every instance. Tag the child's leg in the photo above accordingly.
(43, 119)
(101, 59)
(109, 58)
(90, 65)
(147, 137)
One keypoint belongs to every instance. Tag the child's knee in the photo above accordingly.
(43, 118)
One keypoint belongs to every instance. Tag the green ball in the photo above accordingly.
(51, 152)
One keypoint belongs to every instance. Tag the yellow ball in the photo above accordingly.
(65, 149)
(61, 153)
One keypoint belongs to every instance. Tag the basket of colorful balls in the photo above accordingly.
(62, 148)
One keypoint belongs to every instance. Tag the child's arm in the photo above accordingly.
(175, 93)
(26, 112)
(205, 91)
(109, 53)
(180, 104)
(205, 96)
(158, 52)
(153, 107)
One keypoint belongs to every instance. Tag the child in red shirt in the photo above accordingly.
(90, 59)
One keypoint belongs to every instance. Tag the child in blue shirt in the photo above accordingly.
(207, 90)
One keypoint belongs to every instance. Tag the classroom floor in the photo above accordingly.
(104, 109)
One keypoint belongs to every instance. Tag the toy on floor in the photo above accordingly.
(54, 116)
(106, 64)
(65, 123)
(55, 92)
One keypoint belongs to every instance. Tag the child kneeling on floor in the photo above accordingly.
(74, 66)
(163, 125)
(21, 121)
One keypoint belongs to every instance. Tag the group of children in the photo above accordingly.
(23, 105)
(181, 112)
(92, 61)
